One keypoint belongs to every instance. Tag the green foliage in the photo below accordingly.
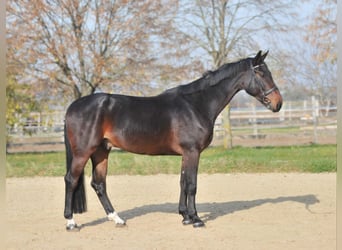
(311, 159)
(19, 102)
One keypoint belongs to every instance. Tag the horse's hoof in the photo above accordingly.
(187, 220)
(198, 223)
(120, 224)
(73, 228)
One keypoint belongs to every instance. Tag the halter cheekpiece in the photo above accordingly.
(267, 92)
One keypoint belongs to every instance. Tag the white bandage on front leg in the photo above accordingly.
(115, 217)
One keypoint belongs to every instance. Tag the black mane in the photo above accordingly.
(211, 78)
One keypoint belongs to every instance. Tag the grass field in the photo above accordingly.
(311, 159)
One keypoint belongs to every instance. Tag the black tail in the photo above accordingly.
(79, 202)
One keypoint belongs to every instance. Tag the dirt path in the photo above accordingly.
(241, 211)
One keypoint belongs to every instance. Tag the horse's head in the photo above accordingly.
(262, 86)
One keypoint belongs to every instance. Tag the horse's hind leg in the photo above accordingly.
(75, 200)
(100, 164)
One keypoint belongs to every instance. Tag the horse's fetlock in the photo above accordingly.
(183, 210)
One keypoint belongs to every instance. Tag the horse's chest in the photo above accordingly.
(198, 132)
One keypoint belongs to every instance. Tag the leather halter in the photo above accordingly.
(267, 92)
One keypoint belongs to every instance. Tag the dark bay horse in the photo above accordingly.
(179, 121)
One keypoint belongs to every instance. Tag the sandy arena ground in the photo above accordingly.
(241, 211)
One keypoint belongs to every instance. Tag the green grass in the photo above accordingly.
(312, 159)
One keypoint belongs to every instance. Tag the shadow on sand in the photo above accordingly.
(212, 210)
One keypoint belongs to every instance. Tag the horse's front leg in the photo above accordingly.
(100, 164)
(188, 184)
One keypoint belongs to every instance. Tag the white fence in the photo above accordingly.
(297, 123)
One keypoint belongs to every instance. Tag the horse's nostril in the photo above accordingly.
(279, 106)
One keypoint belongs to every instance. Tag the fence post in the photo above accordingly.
(282, 112)
(314, 117)
(254, 120)
(290, 111)
(39, 123)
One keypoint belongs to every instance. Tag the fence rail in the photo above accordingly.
(297, 123)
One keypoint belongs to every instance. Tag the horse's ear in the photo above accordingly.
(264, 55)
(258, 59)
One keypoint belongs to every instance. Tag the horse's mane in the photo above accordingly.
(211, 78)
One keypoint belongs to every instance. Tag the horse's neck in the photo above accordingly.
(224, 93)
(215, 98)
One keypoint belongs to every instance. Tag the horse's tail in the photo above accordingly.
(79, 203)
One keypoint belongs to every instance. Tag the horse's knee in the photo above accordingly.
(99, 188)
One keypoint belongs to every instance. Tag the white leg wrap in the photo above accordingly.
(115, 217)
(71, 222)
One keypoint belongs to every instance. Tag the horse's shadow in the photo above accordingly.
(212, 210)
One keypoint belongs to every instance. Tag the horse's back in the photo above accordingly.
(87, 104)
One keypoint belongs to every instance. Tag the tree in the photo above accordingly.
(322, 32)
(19, 103)
(229, 29)
(69, 48)
(322, 36)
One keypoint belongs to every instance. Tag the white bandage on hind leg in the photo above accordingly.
(115, 217)
(71, 222)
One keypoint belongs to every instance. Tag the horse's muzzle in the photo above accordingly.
(273, 101)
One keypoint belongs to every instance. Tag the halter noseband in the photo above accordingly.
(266, 93)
